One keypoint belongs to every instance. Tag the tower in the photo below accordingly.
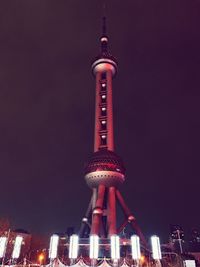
(105, 172)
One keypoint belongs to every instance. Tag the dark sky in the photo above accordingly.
(47, 109)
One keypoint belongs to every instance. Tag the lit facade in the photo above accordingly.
(105, 171)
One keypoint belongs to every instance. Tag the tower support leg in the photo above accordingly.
(122, 226)
(111, 211)
(131, 218)
(98, 210)
(85, 223)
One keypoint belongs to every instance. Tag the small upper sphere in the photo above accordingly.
(104, 61)
(104, 167)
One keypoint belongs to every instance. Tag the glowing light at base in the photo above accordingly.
(142, 260)
(3, 242)
(94, 247)
(190, 263)
(17, 247)
(53, 248)
(115, 247)
(73, 247)
(135, 247)
(41, 258)
(155, 245)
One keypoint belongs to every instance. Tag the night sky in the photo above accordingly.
(47, 109)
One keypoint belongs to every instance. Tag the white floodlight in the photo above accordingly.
(115, 247)
(190, 263)
(3, 243)
(53, 248)
(94, 247)
(73, 247)
(135, 247)
(155, 245)
(17, 247)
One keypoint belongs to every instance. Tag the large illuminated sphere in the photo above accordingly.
(104, 167)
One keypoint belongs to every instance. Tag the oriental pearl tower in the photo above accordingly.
(105, 171)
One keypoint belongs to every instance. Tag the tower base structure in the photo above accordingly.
(104, 173)
(96, 216)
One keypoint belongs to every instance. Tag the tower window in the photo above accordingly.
(103, 86)
(103, 111)
(103, 140)
(103, 125)
(103, 97)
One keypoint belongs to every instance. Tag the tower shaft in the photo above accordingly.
(103, 130)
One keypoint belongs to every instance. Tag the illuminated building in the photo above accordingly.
(105, 171)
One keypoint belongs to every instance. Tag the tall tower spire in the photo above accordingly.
(104, 38)
(104, 26)
(105, 172)
(104, 68)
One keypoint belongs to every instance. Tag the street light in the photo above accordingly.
(17, 247)
(41, 257)
(3, 243)
(53, 248)
(94, 247)
(156, 251)
(135, 246)
(115, 247)
(155, 244)
(73, 246)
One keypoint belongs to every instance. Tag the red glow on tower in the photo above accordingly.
(105, 172)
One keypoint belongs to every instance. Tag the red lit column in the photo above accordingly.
(110, 138)
(97, 126)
